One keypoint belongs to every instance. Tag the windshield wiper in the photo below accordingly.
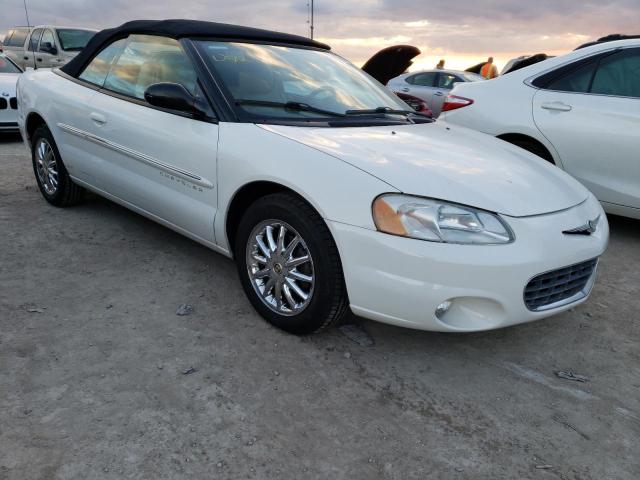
(385, 110)
(295, 106)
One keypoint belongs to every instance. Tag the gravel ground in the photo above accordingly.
(100, 379)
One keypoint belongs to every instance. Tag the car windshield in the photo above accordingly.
(6, 66)
(296, 83)
(74, 40)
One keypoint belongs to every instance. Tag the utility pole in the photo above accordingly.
(311, 24)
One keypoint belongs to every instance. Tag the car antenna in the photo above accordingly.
(310, 6)
(26, 12)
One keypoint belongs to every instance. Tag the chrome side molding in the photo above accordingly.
(140, 157)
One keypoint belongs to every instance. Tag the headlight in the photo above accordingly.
(438, 221)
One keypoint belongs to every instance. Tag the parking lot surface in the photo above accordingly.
(99, 378)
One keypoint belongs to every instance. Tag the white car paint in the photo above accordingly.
(458, 174)
(134, 155)
(8, 115)
(594, 137)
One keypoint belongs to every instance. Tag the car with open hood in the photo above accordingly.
(326, 189)
(392, 61)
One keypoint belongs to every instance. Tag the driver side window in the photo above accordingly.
(149, 59)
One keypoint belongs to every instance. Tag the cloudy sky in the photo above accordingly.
(462, 31)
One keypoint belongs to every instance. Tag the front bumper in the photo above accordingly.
(8, 114)
(402, 281)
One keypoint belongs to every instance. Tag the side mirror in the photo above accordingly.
(172, 96)
(47, 47)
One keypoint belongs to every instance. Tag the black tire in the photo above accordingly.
(328, 301)
(533, 147)
(66, 193)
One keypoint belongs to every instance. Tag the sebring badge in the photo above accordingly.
(586, 229)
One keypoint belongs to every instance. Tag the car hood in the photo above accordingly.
(8, 83)
(390, 62)
(448, 163)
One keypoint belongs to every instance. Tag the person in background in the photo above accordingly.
(440, 65)
(489, 70)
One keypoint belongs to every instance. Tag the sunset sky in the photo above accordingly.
(463, 32)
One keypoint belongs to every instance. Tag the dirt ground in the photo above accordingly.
(96, 379)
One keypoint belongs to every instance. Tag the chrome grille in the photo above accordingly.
(560, 287)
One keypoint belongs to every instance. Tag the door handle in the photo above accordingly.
(405, 89)
(98, 118)
(558, 106)
(39, 59)
(26, 58)
(438, 94)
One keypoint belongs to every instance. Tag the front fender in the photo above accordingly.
(337, 190)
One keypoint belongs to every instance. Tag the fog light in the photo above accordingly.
(443, 308)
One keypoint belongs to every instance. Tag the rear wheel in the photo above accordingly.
(51, 175)
(289, 265)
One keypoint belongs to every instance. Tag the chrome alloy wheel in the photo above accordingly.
(280, 267)
(46, 166)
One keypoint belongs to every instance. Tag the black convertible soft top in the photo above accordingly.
(180, 29)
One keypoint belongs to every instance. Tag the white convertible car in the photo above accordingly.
(580, 111)
(329, 192)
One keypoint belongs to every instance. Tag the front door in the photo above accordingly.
(49, 54)
(160, 161)
(592, 118)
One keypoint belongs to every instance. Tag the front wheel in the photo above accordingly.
(289, 265)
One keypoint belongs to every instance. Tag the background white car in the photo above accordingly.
(580, 111)
(9, 74)
(432, 86)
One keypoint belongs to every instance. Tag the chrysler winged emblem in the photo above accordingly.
(5, 94)
(586, 229)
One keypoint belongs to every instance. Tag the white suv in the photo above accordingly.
(580, 111)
